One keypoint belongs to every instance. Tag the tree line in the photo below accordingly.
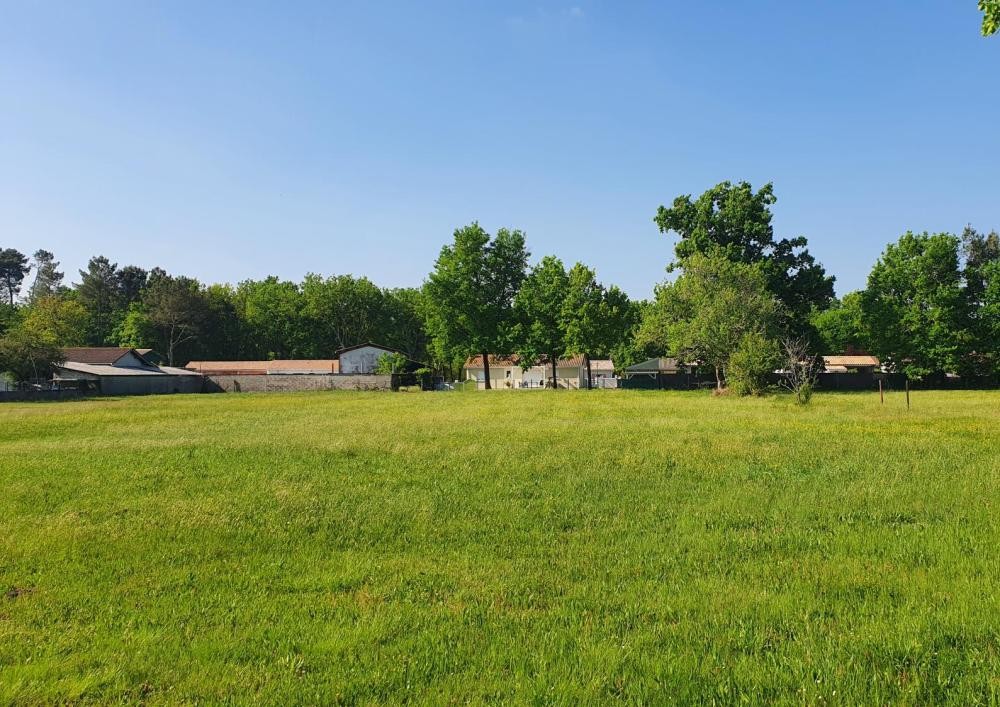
(739, 298)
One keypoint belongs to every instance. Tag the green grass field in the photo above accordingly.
(542, 547)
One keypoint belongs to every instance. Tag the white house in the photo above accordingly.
(508, 373)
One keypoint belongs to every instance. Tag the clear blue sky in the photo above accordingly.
(230, 141)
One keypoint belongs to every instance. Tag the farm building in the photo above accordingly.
(353, 360)
(507, 372)
(123, 371)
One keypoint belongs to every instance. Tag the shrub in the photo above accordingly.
(751, 363)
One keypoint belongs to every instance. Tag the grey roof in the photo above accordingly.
(95, 369)
(656, 365)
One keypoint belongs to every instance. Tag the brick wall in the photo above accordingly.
(295, 382)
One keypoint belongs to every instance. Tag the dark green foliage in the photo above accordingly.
(13, 269)
(840, 329)
(28, 354)
(705, 314)
(991, 16)
(99, 292)
(734, 221)
(751, 363)
(471, 291)
(914, 310)
(538, 311)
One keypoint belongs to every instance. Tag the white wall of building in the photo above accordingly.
(361, 360)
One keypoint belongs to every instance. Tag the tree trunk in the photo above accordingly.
(555, 380)
(718, 379)
(590, 378)
(486, 369)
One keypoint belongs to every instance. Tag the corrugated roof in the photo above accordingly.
(98, 355)
(850, 361)
(109, 370)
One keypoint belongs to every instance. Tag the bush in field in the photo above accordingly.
(801, 369)
(751, 363)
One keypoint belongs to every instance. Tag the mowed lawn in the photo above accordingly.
(567, 547)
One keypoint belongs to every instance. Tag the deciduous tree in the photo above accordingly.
(734, 221)
(704, 314)
(913, 307)
(538, 309)
(472, 289)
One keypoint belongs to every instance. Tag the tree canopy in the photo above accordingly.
(705, 313)
(13, 269)
(734, 221)
(471, 290)
(538, 308)
(913, 306)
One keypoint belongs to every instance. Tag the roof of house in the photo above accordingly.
(656, 365)
(601, 364)
(495, 360)
(99, 355)
(262, 367)
(98, 369)
(850, 361)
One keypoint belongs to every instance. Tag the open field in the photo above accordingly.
(548, 547)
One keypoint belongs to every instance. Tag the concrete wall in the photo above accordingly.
(150, 385)
(294, 382)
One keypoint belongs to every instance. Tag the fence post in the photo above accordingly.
(881, 395)
(907, 392)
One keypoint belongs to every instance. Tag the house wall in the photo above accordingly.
(361, 360)
(296, 382)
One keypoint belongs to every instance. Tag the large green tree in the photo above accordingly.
(99, 292)
(913, 308)
(735, 221)
(980, 260)
(704, 315)
(13, 269)
(989, 318)
(538, 308)
(48, 278)
(27, 353)
(271, 312)
(177, 309)
(472, 289)
(338, 312)
(595, 320)
(61, 320)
